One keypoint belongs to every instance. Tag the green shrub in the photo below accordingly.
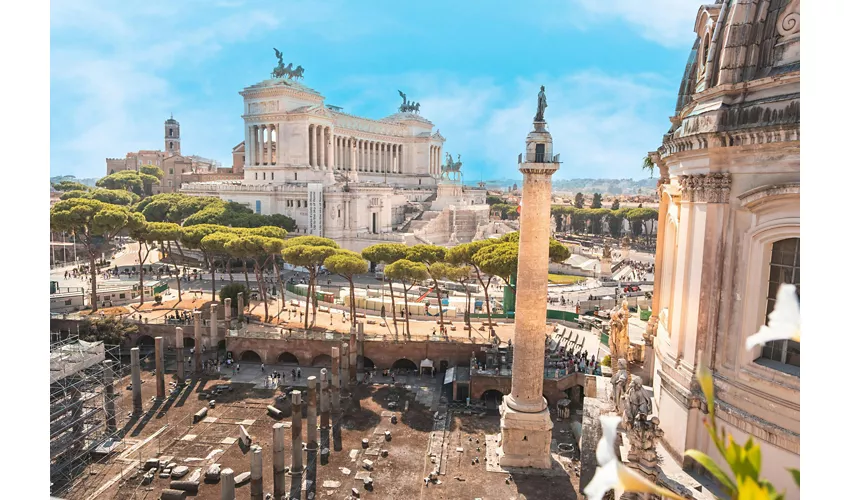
(606, 361)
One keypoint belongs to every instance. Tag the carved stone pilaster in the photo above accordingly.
(686, 187)
(788, 21)
(706, 188)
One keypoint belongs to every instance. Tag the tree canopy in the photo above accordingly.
(70, 186)
(110, 330)
(113, 196)
(579, 201)
(426, 254)
(406, 270)
(129, 180)
(87, 218)
(346, 264)
(385, 253)
(596, 202)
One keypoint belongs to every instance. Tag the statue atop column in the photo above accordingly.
(541, 104)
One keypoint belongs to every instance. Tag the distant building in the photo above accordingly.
(177, 168)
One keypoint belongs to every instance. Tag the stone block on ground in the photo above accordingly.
(169, 494)
(188, 486)
(179, 471)
(242, 478)
(213, 472)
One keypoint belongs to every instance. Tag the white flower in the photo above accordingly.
(611, 473)
(783, 322)
(605, 447)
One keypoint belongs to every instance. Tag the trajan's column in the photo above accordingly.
(525, 424)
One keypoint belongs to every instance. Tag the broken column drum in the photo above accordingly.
(228, 485)
(227, 313)
(136, 377)
(257, 473)
(181, 374)
(526, 426)
(160, 368)
(343, 379)
(199, 342)
(240, 304)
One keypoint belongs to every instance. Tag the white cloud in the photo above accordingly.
(599, 122)
(111, 67)
(667, 22)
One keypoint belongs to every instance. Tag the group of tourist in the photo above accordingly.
(575, 362)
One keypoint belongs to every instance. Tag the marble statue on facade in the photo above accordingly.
(618, 340)
(619, 382)
(541, 104)
(643, 429)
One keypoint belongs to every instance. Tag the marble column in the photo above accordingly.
(257, 473)
(335, 375)
(240, 304)
(297, 468)
(343, 366)
(279, 461)
(324, 402)
(312, 438)
(214, 328)
(258, 136)
(181, 373)
(248, 145)
(136, 377)
(227, 313)
(401, 163)
(311, 412)
(320, 159)
(332, 147)
(199, 342)
(109, 396)
(525, 421)
(228, 485)
(160, 368)
(312, 134)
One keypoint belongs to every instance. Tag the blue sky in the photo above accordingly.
(611, 70)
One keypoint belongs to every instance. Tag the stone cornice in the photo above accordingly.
(709, 140)
(756, 198)
(706, 188)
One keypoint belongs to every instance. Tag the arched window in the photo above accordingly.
(171, 146)
(784, 268)
(171, 132)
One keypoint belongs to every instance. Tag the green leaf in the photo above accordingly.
(795, 473)
(709, 465)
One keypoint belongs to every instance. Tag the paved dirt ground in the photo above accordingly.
(166, 430)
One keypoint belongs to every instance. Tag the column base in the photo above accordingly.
(526, 438)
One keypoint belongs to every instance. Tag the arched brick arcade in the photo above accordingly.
(250, 357)
(322, 361)
(368, 364)
(145, 340)
(287, 358)
(404, 364)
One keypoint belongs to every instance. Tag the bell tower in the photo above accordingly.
(172, 137)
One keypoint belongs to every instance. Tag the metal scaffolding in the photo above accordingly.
(85, 408)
